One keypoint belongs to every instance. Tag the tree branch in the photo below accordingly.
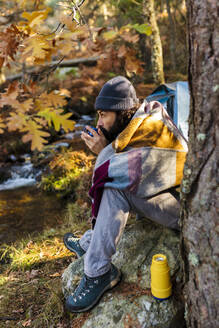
(65, 63)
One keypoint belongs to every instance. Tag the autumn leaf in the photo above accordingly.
(67, 20)
(122, 51)
(52, 99)
(2, 125)
(129, 37)
(9, 42)
(35, 135)
(36, 47)
(8, 98)
(65, 93)
(1, 61)
(35, 18)
(132, 64)
(58, 119)
(66, 47)
(63, 120)
(25, 106)
(16, 121)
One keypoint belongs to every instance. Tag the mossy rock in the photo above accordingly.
(131, 304)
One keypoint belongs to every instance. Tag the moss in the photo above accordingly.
(67, 171)
(201, 137)
(193, 259)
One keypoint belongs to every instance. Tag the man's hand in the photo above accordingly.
(95, 143)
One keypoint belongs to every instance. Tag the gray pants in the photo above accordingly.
(100, 243)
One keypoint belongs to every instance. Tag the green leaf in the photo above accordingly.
(143, 28)
(110, 35)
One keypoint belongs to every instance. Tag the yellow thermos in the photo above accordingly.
(161, 287)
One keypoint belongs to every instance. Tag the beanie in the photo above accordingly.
(117, 94)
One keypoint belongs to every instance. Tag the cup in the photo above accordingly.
(161, 287)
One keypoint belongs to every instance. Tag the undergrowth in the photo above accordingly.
(67, 170)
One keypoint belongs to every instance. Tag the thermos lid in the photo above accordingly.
(159, 259)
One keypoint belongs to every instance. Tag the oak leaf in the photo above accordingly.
(35, 18)
(9, 97)
(58, 119)
(9, 42)
(52, 99)
(2, 125)
(16, 121)
(24, 106)
(35, 135)
(36, 47)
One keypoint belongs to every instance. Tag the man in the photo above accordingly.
(140, 161)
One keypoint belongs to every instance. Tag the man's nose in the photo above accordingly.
(99, 122)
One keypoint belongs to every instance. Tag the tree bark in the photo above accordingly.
(156, 46)
(172, 36)
(199, 242)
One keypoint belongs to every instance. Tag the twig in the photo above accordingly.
(8, 318)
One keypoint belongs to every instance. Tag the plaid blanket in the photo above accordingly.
(146, 158)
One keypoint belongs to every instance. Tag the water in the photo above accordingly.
(24, 208)
(21, 175)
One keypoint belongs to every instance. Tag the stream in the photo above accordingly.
(24, 208)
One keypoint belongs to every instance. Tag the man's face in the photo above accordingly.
(106, 119)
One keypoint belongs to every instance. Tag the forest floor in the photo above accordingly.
(30, 278)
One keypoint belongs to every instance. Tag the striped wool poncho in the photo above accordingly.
(146, 158)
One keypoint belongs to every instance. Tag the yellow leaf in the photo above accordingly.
(110, 35)
(36, 46)
(52, 99)
(35, 135)
(63, 120)
(2, 125)
(36, 17)
(58, 119)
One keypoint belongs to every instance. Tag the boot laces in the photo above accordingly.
(86, 288)
(74, 239)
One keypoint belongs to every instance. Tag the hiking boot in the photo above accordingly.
(72, 243)
(90, 290)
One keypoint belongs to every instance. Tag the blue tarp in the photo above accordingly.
(175, 98)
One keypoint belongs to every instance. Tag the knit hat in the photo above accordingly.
(116, 94)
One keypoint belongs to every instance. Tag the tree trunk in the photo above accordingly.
(172, 30)
(199, 247)
(156, 46)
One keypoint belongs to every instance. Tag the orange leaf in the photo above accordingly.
(122, 51)
(67, 20)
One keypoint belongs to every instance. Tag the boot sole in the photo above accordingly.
(112, 284)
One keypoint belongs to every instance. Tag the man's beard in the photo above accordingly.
(113, 132)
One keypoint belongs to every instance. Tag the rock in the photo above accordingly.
(131, 304)
(5, 174)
